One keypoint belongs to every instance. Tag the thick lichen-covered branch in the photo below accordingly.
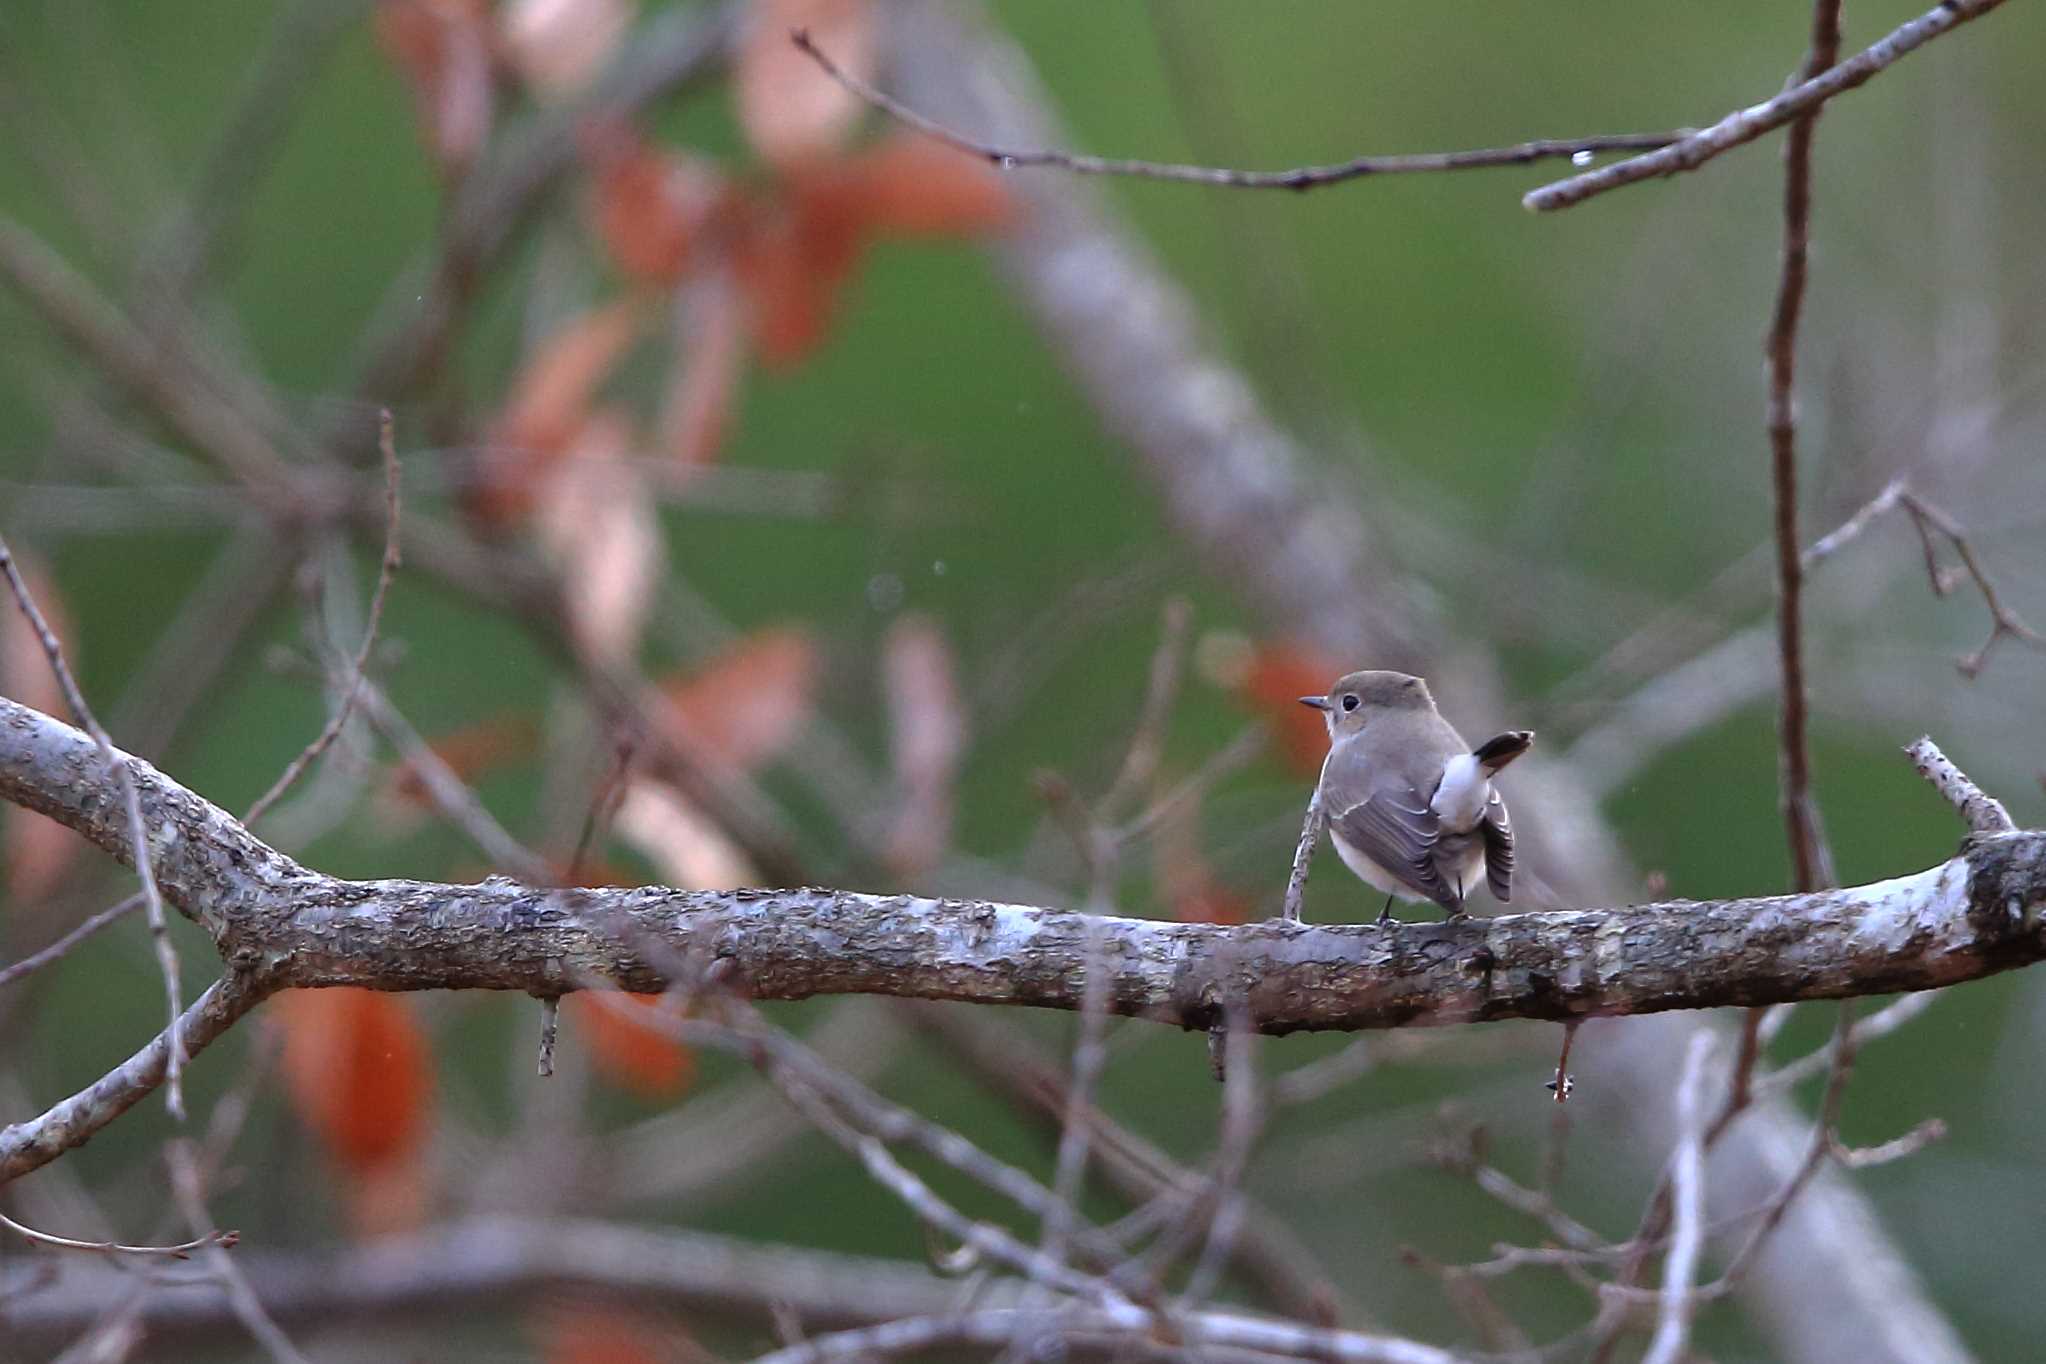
(282, 924)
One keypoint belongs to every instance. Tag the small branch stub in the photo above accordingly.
(1983, 813)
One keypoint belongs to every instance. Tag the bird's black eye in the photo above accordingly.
(1349, 703)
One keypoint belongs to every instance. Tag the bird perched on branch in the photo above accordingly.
(1411, 806)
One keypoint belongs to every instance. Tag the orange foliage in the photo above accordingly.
(442, 49)
(547, 411)
(640, 1056)
(745, 705)
(359, 1073)
(652, 207)
(600, 1335)
(911, 185)
(1279, 675)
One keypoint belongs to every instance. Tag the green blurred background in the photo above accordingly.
(1581, 392)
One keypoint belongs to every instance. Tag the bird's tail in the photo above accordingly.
(1495, 753)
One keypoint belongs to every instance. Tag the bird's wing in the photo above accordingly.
(1497, 828)
(1394, 827)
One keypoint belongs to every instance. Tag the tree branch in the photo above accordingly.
(1745, 125)
(493, 1259)
(1577, 149)
(277, 923)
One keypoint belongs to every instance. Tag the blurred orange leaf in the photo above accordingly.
(359, 1071)
(1278, 676)
(548, 409)
(927, 732)
(602, 1335)
(557, 45)
(39, 850)
(790, 265)
(634, 1052)
(652, 207)
(790, 110)
(442, 48)
(911, 185)
(749, 702)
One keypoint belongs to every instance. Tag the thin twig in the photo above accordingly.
(138, 832)
(386, 570)
(1983, 813)
(181, 1251)
(71, 1122)
(1897, 1148)
(458, 804)
(1687, 1184)
(2002, 620)
(1242, 1119)
(185, 1185)
(1077, 1127)
(1810, 858)
(1147, 740)
(1745, 125)
(1303, 855)
(1576, 149)
(36, 961)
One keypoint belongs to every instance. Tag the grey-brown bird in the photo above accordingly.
(1410, 806)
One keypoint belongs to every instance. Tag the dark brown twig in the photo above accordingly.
(2003, 622)
(1576, 149)
(1810, 858)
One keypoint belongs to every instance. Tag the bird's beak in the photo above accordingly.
(1318, 702)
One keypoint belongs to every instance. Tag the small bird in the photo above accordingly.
(1410, 806)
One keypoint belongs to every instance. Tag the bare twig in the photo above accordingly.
(2002, 620)
(72, 1122)
(181, 1251)
(1745, 125)
(1897, 1148)
(1267, 1253)
(36, 961)
(185, 1185)
(1881, 1023)
(1983, 813)
(1147, 741)
(1687, 1185)
(1810, 858)
(386, 570)
(1303, 856)
(1077, 1126)
(117, 764)
(1127, 1327)
(1577, 149)
(458, 804)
